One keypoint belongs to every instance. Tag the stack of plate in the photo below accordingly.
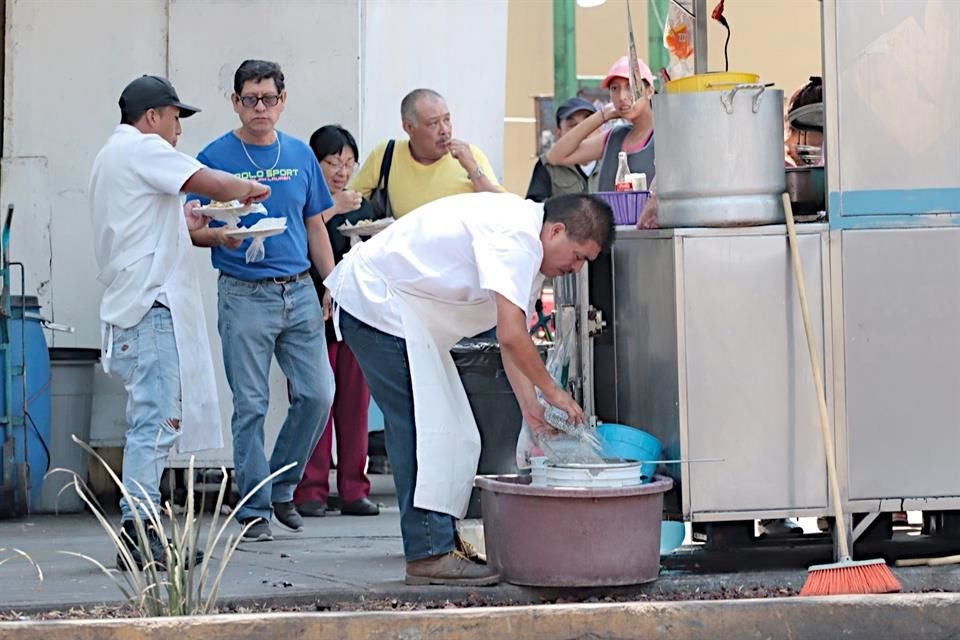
(585, 476)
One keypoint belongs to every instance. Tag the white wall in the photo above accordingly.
(67, 61)
(62, 79)
(457, 48)
(898, 73)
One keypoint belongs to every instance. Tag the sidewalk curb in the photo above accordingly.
(915, 616)
(667, 588)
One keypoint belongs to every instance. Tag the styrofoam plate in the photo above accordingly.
(365, 227)
(231, 212)
(264, 228)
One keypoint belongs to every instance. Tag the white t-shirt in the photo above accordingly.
(137, 211)
(462, 248)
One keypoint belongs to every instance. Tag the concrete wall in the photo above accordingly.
(66, 62)
(455, 48)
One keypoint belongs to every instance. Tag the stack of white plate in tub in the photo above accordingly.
(612, 474)
(629, 459)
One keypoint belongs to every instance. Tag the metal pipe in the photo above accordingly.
(564, 51)
(701, 18)
(632, 53)
(657, 56)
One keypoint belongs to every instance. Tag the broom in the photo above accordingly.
(845, 575)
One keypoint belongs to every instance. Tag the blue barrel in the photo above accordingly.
(28, 348)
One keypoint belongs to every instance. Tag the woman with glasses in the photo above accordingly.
(336, 150)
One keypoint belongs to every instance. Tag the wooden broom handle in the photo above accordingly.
(840, 527)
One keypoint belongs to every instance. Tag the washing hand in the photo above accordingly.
(564, 401)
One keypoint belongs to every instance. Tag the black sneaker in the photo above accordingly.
(259, 531)
(286, 514)
(158, 548)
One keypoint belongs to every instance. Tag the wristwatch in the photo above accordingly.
(477, 174)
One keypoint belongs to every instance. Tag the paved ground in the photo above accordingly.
(341, 561)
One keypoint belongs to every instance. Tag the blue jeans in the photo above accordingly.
(258, 320)
(383, 359)
(145, 358)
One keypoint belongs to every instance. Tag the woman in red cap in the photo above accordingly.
(580, 146)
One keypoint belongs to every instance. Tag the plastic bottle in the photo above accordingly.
(623, 170)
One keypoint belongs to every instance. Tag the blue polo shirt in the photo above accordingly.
(298, 192)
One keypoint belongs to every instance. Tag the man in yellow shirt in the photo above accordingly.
(430, 165)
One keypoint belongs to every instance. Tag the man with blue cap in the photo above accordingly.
(554, 180)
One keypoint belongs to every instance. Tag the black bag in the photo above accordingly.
(379, 198)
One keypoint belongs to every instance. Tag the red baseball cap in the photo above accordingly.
(621, 69)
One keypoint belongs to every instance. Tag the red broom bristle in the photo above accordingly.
(850, 579)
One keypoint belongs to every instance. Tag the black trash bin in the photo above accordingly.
(495, 408)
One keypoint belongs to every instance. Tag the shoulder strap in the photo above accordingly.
(385, 164)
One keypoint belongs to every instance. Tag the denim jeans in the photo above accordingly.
(383, 359)
(145, 358)
(259, 320)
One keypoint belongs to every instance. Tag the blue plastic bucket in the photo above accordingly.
(28, 348)
(672, 535)
(621, 441)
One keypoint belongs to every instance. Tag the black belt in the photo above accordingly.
(159, 305)
(285, 279)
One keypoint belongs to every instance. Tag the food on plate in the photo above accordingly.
(383, 222)
(232, 204)
(358, 223)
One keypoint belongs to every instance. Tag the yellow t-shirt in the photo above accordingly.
(412, 184)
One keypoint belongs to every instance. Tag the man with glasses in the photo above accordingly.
(269, 307)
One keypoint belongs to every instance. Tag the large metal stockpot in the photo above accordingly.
(720, 159)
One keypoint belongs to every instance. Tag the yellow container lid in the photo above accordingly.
(715, 81)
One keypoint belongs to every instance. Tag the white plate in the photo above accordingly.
(370, 229)
(264, 228)
(232, 213)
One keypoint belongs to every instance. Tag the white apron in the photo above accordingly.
(200, 407)
(448, 441)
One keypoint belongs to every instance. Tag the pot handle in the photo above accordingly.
(726, 98)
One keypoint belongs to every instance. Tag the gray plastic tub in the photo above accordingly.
(562, 537)
(71, 391)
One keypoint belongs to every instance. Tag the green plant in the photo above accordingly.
(184, 588)
(17, 553)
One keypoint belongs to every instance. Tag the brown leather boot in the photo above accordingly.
(451, 568)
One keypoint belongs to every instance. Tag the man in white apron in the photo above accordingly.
(154, 332)
(450, 269)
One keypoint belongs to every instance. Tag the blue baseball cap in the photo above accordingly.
(573, 105)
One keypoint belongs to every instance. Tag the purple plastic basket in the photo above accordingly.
(626, 205)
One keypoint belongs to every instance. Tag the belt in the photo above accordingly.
(159, 305)
(285, 279)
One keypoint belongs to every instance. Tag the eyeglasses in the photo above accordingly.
(336, 165)
(250, 102)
